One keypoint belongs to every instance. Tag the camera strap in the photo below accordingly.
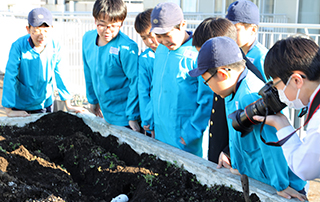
(314, 106)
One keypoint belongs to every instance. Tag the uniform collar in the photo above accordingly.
(31, 42)
(253, 45)
(241, 77)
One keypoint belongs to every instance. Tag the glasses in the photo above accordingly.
(206, 81)
(111, 27)
(274, 84)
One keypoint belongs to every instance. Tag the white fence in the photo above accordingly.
(69, 29)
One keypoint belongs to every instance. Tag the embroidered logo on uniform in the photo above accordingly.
(190, 54)
(155, 21)
(40, 16)
(114, 50)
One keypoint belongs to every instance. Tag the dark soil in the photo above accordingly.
(59, 158)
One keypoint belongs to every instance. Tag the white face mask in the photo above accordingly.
(297, 104)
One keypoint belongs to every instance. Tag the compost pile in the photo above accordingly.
(59, 158)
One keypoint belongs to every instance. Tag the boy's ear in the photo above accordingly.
(183, 24)
(298, 80)
(28, 29)
(223, 74)
(254, 29)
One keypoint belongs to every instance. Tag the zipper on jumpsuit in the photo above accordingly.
(97, 75)
(162, 79)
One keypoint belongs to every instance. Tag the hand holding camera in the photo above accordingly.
(269, 104)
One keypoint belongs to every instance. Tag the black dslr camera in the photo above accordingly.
(269, 104)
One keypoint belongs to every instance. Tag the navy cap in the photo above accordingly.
(165, 16)
(216, 52)
(38, 16)
(243, 11)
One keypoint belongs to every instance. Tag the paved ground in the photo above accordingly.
(314, 189)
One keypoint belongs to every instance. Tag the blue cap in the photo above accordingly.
(38, 16)
(216, 52)
(243, 11)
(165, 16)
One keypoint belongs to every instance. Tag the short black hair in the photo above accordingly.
(143, 21)
(115, 10)
(290, 54)
(213, 27)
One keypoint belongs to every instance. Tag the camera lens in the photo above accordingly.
(242, 120)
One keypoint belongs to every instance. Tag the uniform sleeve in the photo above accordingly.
(199, 121)
(91, 96)
(129, 62)
(10, 78)
(60, 72)
(303, 157)
(144, 86)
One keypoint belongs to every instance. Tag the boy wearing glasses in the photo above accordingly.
(221, 64)
(181, 103)
(218, 130)
(34, 60)
(110, 60)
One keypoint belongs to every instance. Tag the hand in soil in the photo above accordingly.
(291, 193)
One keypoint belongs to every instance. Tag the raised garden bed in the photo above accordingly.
(58, 157)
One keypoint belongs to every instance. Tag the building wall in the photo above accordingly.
(206, 6)
(152, 3)
(288, 7)
(309, 11)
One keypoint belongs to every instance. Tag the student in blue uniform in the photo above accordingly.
(110, 60)
(181, 103)
(221, 65)
(142, 25)
(34, 61)
(246, 17)
(218, 150)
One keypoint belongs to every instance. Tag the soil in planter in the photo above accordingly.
(59, 158)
